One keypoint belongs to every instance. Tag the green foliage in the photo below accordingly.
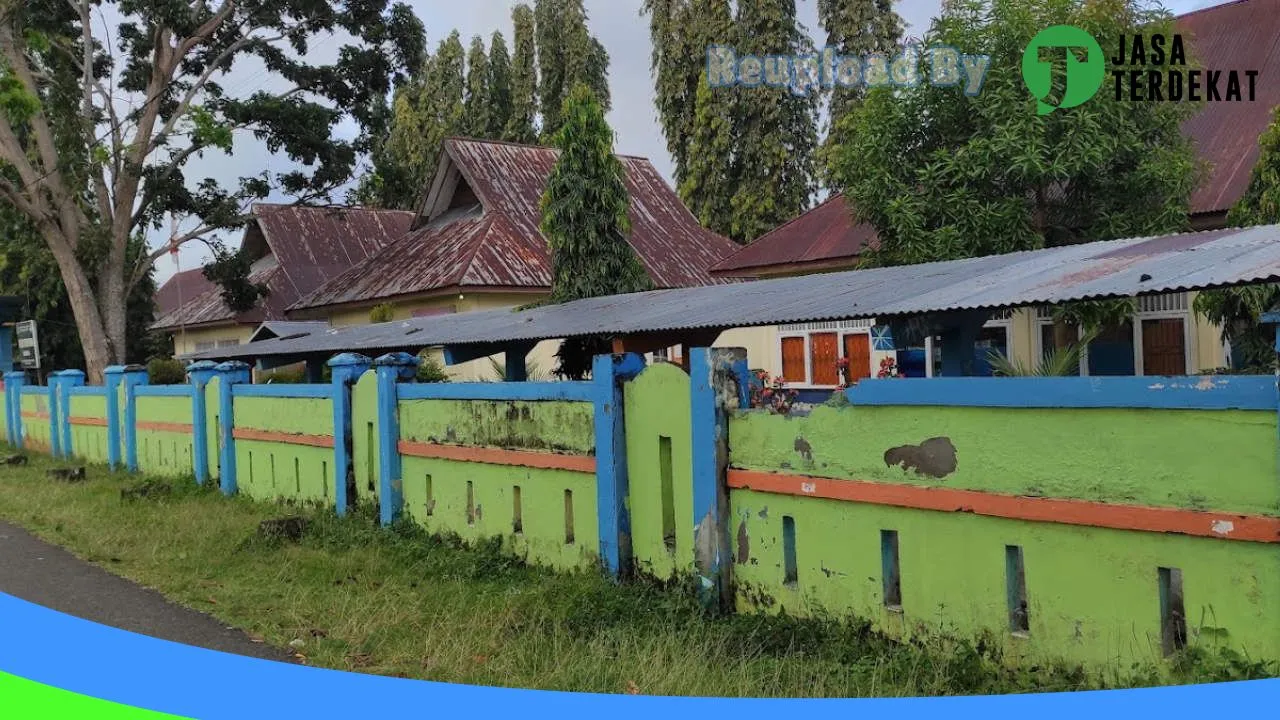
(476, 106)
(1059, 362)
(285, 376)
(524, 78)
(533, 370)
(585, 220)
(166, 371)
(944, 176)
(567, 55)
(431, 371)
(231, 270)
(1239, 310)
(499, 106)
(705, 188)
(385, 312)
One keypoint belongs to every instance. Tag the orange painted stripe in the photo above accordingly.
(322, 441)
(92, 421)
(32, 415)
(166, 427)
(1225, 526)
(499, 456)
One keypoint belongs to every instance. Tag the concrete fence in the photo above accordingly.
(1099, 520)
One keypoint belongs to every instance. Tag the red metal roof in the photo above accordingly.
(1241, 35)
(299, 249)
(496, 243)
(177, 290)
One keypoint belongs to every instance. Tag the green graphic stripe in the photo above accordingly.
(22, 699)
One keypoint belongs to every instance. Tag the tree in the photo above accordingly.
(475, 115)
(499, 87)
(586, 223)
(524, 79)
(98, 126)
(707, 187)
(567, 55)
(776, 138)
(943, 176)
(681, 32)
(1239, 310)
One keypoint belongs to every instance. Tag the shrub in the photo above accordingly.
(166, 371)
(431, 371)
(386, 312)
(285, 376)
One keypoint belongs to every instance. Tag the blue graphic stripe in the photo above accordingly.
(1234, 392)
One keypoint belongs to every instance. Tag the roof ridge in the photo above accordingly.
(1209, 8)
(508, 143)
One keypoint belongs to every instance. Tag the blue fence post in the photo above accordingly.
(711, 375)
(53, 383)
(609, 372)
(13, 382)
(67, 379)
(133, 376)
(392, 369)
(200, 373)
(230, 374)
(112, 379)
(345, 371)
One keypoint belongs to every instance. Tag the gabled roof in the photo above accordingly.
(177, 290)
(825, 237)
(1241, 35)
(287, 329)
(478, 229)
(298, 248)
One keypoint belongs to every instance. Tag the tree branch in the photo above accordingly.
(149, 260)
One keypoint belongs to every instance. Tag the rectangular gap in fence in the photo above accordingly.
(791, 570)
(890, 571)
(431, 496)
(668, 494)
(568, 517)
(1173, 616)
(517, 513)
(471, 504)
(1016, 590)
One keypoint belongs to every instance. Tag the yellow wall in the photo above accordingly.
(185, 341)
(761, 344)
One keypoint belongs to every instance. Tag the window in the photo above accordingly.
(228, 343)
(206, 345)
(810, 353)
(1156, 341)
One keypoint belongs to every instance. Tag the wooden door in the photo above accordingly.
(793, 360)
(1164, 347)
(857, 350)
(823, 353)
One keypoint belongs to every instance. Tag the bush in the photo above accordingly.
(386, 312)
(285, 376)
(166, 371)
(431, 371)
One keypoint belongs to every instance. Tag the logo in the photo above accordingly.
(1084, 78)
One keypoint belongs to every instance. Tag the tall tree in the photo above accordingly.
(1239, 310)
(942, 175)
(99, 124)
(859, 28)
(499, 87)
(777, 132)
(568, 54)
(707, 188)
(475, 117)
(585, 221)
(524, 79)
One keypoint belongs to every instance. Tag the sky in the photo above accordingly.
(619, 26)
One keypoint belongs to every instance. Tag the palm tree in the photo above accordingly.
(1059, 362)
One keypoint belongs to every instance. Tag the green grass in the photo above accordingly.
(398, 602)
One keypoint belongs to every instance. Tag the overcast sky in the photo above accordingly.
(618, 25)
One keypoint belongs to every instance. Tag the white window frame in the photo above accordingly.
(841, 328)
(1180, 310)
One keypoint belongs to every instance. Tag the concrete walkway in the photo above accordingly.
(38, 572)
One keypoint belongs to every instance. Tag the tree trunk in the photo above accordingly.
(84, 306)
(113, 303)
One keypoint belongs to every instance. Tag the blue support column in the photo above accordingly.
(112, 380)
(13, 382)
(515, 362)
(229, 374)
(200, 373)
(345, 371)
(66, 379)
(711, 378)
(392, 370)
(609, 372)
(133, 376)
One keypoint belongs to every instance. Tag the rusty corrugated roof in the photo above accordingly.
(816, 240)
(177, 290)
(309, 245)
(1242, 35)
(495, 242)
(1114, 268)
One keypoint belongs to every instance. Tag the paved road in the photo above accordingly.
(38, 572)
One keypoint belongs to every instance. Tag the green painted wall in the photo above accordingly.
(1093, 593)
(162, 452)
(35, 432)
(87, 441)
(276, 470)
(564, 427)
(658, 413)
(1219, 460)
(542, 539)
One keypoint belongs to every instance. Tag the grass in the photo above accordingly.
(398, 602)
